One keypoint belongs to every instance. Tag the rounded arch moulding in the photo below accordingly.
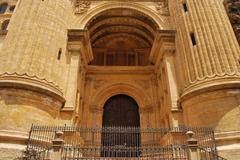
(109, 91)
(161, 21)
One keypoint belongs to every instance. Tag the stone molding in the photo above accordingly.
(223, 137)
(163, 43)
(34, 83)
(25, 77)
(79, 41)
(162, 21)
(110, 90)
(11, 136)
(211, 83)
(120, 69)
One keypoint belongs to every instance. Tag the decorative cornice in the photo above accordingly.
(120, 69)
(26, 76)
(75, 35)
(210, 83)
(163, 43)
(78, 40)
(31, 82)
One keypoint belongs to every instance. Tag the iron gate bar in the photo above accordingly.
(82, 142)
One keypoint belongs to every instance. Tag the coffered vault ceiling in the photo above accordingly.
(121, 30)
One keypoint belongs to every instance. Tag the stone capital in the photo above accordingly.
(79, 42)
(163, 43)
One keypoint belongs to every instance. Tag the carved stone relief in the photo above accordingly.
(162, 7)
(81, 6)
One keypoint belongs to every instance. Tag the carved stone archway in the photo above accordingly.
(161, 20)
(101, 97)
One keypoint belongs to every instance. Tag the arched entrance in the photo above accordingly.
(121, 111)
(121, 127)
(121, 37)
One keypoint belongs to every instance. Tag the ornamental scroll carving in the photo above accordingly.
(233, 10)
(162, 7)
(81, 6)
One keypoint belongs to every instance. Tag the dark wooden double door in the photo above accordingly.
(121, 123)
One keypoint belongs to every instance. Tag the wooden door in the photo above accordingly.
(121, 126)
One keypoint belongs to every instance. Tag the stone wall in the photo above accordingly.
(193, 79)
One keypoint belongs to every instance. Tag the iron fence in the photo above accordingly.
(166, 153)
(208, 155)
(118, 142)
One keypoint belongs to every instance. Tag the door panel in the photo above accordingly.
(120, 117)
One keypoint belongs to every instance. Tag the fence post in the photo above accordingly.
(57, 146)
(193, 150)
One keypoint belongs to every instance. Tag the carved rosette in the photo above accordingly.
(233, 10)
(81, 6)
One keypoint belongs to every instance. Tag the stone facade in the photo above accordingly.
(50, 73)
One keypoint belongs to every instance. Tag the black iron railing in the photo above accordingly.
(117, 142)
(208, 155)
(166, 153)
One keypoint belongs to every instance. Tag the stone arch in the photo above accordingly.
(109, 91)
(115, 89)
(161, 21)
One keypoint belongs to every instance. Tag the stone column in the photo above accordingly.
(37, 33)
(210, 67)
(214, 60)
(31, 74)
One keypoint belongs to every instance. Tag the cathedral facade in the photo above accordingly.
(81, 63)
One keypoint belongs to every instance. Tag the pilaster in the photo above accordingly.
(78, 56)
(73, 72)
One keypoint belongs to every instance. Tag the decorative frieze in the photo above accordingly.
(82, 6)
